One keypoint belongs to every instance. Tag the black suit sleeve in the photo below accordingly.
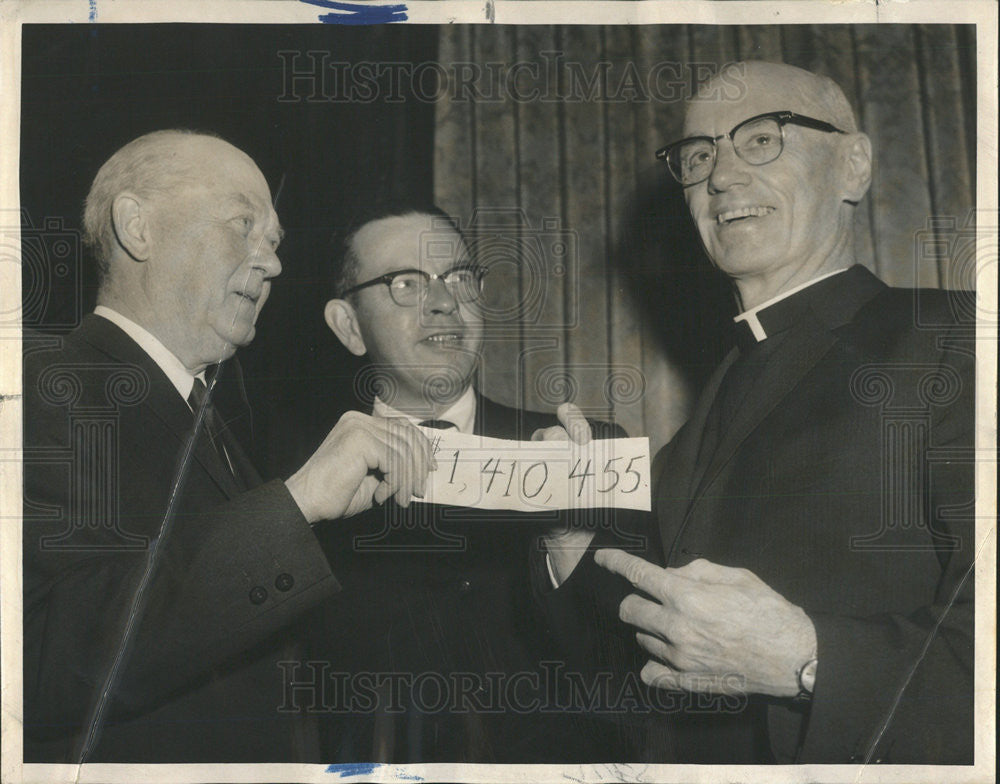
(229, 573)
(899, 687)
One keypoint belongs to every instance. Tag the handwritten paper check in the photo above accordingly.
(531, 476)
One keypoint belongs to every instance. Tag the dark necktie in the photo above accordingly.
(438, 424)
(198, 400)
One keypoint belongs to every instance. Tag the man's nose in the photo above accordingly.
(730, 169)
(439, 298)
(266, 260)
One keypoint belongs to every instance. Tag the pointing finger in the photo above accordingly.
(642, 574)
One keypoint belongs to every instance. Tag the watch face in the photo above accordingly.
(807, 676)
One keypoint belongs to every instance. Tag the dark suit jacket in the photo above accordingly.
(440, 597)
(845, 483)
(107, 460)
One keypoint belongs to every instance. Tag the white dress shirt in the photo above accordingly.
(172, 367)
(462, 412)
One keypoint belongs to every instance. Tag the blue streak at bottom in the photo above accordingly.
(353, 768)
(364, 769)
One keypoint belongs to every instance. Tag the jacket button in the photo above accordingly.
(464, 586)
(258, 594)
(284, 582)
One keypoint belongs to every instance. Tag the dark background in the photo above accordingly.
(87, 90)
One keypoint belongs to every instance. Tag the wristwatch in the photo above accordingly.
(806, 679)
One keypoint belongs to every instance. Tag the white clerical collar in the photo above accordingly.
(462, 412)
(750, 316)
(171, 366)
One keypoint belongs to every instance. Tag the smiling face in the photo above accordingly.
(428, 352)
(213, 243)
(774, 226)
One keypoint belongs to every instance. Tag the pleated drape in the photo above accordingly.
(599, 292)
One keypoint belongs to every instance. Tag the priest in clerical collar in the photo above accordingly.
(814, 565)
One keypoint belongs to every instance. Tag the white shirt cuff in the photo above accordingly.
(552, 575)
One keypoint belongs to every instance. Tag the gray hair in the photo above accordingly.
(145, 166)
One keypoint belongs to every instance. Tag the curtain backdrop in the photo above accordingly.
(599, 291)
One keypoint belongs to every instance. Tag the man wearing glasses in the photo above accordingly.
(443, 640)
(815, 510)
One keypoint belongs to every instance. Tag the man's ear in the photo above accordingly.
(857, 167)
(341, 318)
(130, 217)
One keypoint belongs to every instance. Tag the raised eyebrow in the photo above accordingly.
(404, 271)
(242, 199)
(250, 204)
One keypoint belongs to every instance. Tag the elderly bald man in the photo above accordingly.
(159, 569)
(815, 561)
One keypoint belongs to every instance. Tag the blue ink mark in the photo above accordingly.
(92, 16)
(359, 14)
(353, 768)
(364, 769)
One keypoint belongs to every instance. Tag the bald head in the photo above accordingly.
(779, 87)
(156, 163)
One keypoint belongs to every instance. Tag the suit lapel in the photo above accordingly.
(833, 304)
(804, 348)
(689, 438)
(162, 398)
(676, 470)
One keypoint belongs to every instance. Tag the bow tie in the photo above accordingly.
(438, 424)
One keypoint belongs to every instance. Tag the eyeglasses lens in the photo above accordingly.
(464, 284)
(692, 161)
(408, 288)
(758, 142)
